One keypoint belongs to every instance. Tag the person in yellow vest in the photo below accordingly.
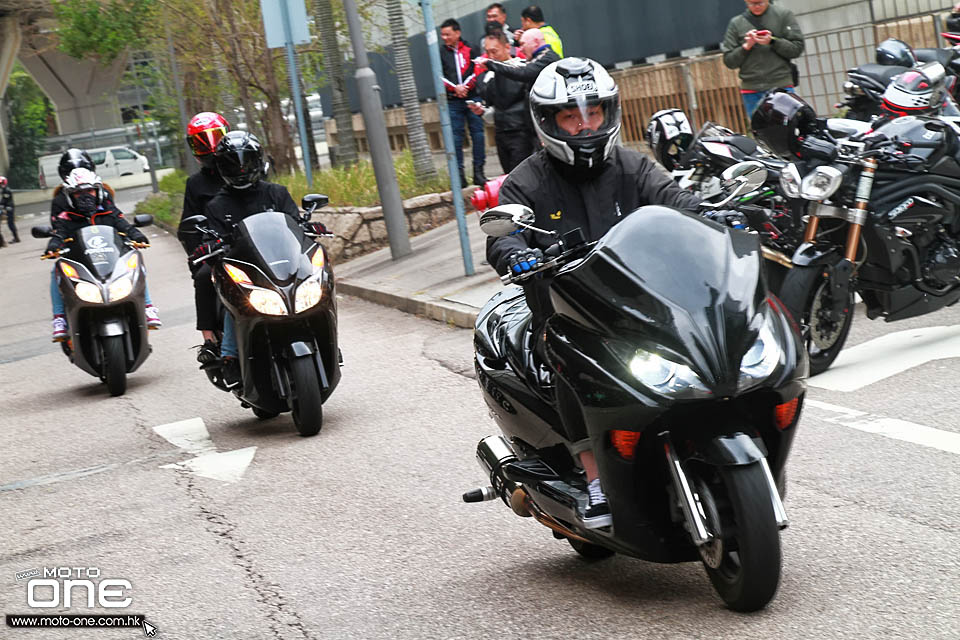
(532, 18)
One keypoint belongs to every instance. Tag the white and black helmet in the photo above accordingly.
(578, 83)
(82, 179)
(669, 134)
(920, 91)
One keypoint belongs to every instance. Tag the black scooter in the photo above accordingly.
(102, 279)
(665, 350)
(278, 285)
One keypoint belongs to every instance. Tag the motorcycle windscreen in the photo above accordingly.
(662, 278)
(100, 247)
(272, 240)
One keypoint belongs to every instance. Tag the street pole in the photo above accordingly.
(376, 128)
(447, 129)
(295, 90)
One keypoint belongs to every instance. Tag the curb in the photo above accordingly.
(458, 315)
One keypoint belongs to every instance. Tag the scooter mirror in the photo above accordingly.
(505, 219)
(142, 220)
(189, 225)
(313, 201)
(744, 177)
(41, 231)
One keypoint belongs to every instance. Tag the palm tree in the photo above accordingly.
(346, 150)
(422, 159)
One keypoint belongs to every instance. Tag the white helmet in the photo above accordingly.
(576, 83)
(82, 179)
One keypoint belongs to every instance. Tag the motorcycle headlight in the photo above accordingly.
(821, 183)
(308, 295)
(88, 292)
(761, 359)
(664, 376)
(120, 288)
(790, 181)
(267, 302)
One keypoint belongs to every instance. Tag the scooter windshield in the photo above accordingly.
(99, 247)
(273, 241)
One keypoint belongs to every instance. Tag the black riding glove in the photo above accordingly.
(523, 260)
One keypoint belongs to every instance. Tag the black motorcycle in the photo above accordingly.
(102, 279)
(884, 222)
(666, 352)
(278, 285)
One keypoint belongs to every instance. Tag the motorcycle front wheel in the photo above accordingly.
(806, 294)
(114, 364)
(743, 560)
(306, 405)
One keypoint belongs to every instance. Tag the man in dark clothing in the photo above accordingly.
(204, 131)
(459, 78)
(537, 53)
(6, 204)
(71, 159)
(581, 178)
(516, 139)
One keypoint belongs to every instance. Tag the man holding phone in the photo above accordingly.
(762, 42)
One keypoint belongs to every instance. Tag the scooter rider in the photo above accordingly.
(71, 159)
(204, 131)
(239, 159)
(85, 195)
(581, 178)
(6, 205)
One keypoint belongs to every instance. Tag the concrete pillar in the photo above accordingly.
(83, 92)
(9, 46)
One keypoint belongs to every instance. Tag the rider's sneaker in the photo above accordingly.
(153, 317)
(209, 352)
(59, 329)
(231, 372)
(597, 514)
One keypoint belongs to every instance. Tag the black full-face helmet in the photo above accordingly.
(895, 53)
(239, 159)
(780, 120)
(669, 134)
(74, 159)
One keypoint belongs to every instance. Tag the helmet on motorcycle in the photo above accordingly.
(204, 132)
(895, 52)
(669, 134)
(780, 120)
(575, 106)
(78, 184)
(919, 91)
(74, 159)
(953, 23)
(239, 159)
(3, 181)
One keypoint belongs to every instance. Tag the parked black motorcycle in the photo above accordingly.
(277, 283)
(665, 350)
(883, 222)
(102, 280)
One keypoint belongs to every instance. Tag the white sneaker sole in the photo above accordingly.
(598, 522)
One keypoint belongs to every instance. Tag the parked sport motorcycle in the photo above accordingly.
(665, 350)
(102, 279)
(883, 222)
(277, 283)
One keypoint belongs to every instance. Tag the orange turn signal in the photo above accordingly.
(317, 260)
(69, 271)
(784, 414)
(236, 274)
(625, 442)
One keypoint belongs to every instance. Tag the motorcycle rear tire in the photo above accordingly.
(114, 364)
(307, 405)
(748, 528)
(590, 551)
(801, 288)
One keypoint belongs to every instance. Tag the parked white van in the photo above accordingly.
(111, 162)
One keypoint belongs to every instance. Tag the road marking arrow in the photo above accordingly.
(192, 436)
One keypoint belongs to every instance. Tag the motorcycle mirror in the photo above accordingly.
(189, 225)
(41, 231)
(142, 220)
(744, 177)
(313, 201)
(505, 219)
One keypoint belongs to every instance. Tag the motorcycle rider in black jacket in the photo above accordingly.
(239, 159)
(581, 178)
(6, 204)
(204, 131)
(71, 159)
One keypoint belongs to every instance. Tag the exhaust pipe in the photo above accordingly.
(492, 453)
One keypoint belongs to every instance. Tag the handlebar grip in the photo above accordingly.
(208, 256)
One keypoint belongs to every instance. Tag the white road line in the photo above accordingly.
(888, 355)
(190, 435)
(895, 428)
(225, 467)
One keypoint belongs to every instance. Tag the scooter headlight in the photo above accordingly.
(88, 292)
(790, 181)
(762, 358)
(662, 375)
(308, 294)
(267, 302)
(120, 288)
(821, 183)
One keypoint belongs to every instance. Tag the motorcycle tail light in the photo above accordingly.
(236, 274)
(68, 271)
(784, 414)
(625, 442)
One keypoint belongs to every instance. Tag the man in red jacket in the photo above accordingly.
(460, 81)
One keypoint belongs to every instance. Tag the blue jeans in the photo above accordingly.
(459, 112)
(228, 346)
(752, 100)
(57, 298)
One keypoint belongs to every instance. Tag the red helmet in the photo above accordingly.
(3, 181)
(489, 195)
(204, 132)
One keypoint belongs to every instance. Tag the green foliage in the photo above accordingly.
(174, 183)
(167, 205)
(29, 110)
(104, 29)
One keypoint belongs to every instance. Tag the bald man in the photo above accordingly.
(538, 54)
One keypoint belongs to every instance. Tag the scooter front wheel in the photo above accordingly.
(589, 550)
(114, 364)
(306, 403)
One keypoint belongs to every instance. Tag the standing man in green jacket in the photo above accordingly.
(532, 18)
(761, 42)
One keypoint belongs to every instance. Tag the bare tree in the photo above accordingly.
(346, 149)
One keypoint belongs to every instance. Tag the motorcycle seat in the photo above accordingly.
(943, 56)
(743, 144)
(880, 73)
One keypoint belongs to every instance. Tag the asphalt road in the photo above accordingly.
(359, 532)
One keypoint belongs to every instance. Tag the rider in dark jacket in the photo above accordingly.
(6, 205)
(71, 159)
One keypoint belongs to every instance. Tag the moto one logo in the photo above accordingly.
(64, 586)
(96, 242)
